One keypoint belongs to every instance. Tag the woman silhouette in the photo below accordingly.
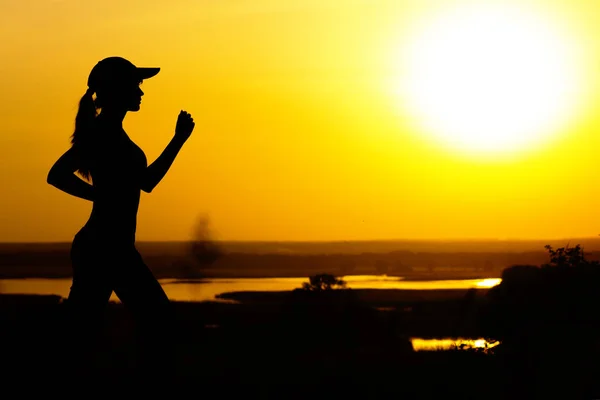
(103, 253)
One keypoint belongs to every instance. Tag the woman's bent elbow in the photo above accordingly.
(147, 188)
(51, 178)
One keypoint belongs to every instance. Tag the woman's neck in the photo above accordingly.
(112, 117)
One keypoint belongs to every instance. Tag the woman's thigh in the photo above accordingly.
(91, 286)
(139, 290)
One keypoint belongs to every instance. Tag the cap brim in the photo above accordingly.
(145, 73)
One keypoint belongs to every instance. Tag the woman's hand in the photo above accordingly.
(158, 169)
(185, 126)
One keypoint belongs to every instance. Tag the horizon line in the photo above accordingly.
(438, 240)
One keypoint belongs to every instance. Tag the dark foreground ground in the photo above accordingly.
(351, 344)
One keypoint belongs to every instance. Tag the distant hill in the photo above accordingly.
(340, 247)
(411, 259)
(386, 246)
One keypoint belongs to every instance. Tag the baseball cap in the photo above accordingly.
(115, 71)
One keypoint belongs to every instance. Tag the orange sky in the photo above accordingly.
(297, 135)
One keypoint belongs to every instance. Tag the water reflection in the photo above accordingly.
(488, 283)
(450, 344)
(208, 289)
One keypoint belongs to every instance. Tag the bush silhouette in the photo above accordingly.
(323, 282)
(568, 257)
(562, 294)
(538, 313)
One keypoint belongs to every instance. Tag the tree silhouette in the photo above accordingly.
(203, 250)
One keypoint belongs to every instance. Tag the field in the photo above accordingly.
(338, 342)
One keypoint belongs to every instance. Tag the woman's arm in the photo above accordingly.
(158, 169)
(62, 176)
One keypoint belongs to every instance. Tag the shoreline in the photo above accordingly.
(208, 278)
(371, 297)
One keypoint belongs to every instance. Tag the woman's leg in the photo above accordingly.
(86, 304)
(141, 293)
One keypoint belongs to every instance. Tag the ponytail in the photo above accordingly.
(84, 125)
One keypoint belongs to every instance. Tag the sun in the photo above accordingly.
(487, 79)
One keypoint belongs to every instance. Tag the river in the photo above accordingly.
(209, 289)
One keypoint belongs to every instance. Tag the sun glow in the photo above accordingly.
(487, 79)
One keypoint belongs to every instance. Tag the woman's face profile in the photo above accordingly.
(132, 97)
(127, 97)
